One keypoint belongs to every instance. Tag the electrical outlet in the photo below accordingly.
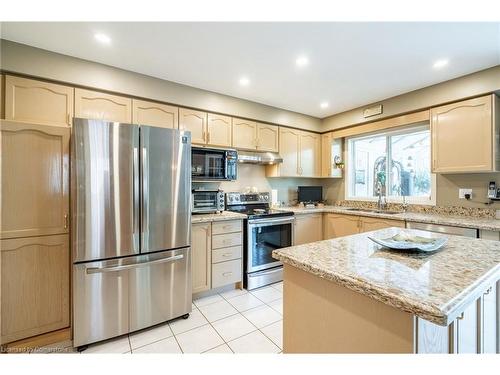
(462, 192)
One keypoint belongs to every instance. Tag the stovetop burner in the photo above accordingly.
(253, 205)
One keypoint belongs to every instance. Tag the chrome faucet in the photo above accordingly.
(405, 204)
(382, 200)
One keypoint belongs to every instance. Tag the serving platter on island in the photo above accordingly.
(409, 242)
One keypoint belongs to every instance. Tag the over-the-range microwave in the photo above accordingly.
(210, 164)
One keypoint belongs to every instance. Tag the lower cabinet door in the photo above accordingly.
(308, 228)
(35, 286)
(467, 330)
(370, 223)
(490, 317)
(201, 247)
(340, 225)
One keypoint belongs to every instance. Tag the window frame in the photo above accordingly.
(349, 176)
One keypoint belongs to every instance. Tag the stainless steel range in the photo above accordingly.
(265, 230)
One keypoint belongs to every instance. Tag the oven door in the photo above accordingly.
(264, 236)
(208, 164)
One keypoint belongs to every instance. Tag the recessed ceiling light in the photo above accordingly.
(244, 81)
(440, 63)
(324, 105)
(302, 61)
(102, 38)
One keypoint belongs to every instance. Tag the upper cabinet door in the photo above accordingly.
(289, 151)
(463, 136)
(31, 101)
(219, 130)
(195, 122)
(155, 114)
(267, 137)
(310, 157)
(244, 134)
(326, 155)
(35, 179)
(101, 106)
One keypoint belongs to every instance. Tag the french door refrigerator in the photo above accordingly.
(131, 225)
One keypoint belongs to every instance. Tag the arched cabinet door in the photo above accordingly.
(244, 134)
(195, 122)
(155, 114)
(35, 180)
(98, 105)
(267, 137)
(219, 130)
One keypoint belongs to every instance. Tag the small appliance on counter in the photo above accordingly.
(265, 230)
(310, 196)
(207, 201)
(210, 164)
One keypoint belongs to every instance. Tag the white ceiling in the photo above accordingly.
(350, 64)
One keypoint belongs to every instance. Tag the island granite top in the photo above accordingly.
(436, 287)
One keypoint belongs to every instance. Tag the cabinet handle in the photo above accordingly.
(488, 291)
(66, 221)
(208, 137)
(204, 136)
(226, 274)
(226, 255)
(69, 120)
(461, 317)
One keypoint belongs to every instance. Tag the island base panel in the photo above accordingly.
(321, 316)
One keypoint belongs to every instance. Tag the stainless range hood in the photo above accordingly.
(265, 158)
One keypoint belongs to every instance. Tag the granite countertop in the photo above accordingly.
(224, 215)
(436, 287)
(458, 221)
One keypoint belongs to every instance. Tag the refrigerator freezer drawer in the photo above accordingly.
(115, 297)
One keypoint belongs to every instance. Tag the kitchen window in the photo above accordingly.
(396, 162)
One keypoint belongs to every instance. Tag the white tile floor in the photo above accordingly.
(236, 321)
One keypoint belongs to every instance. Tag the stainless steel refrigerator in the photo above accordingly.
(131, 227)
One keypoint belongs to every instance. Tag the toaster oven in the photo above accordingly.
(207, 201)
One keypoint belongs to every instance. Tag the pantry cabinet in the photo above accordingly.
(32, 101)
(34, 286)
(308, 228)
(267, 137)
(219, 130)
(195, 122)
(244, 134)
(464, 136)
(155, 114)
(35, 179)
(301, 154)
(201, 253)
(98, 105)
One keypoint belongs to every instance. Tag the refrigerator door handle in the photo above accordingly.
(145, 196)
(135, 194)
(91, 270)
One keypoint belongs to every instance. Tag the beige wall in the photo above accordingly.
(483, 82)
(255, 175)
(27, 60)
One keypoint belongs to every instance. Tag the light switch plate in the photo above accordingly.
(462, 192)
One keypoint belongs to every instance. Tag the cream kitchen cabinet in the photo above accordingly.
(308, 228)
(267, 137)
(330, 149)
(2, 96)
(340, 225)
(464, 136)
(195, 122)
(35, 179)
(98, 105)
(34, 286)
(155, 114)
(219, 130)
(227, 253)
(244, 134)
(201, 255)
(301, 154)
(32, 101)
(367, 224)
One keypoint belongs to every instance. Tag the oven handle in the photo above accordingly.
(268, 222)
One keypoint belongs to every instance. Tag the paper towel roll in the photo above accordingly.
(274, 197)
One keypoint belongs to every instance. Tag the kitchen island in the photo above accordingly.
(349, 295)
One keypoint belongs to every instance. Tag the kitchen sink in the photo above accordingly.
(374, 210)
